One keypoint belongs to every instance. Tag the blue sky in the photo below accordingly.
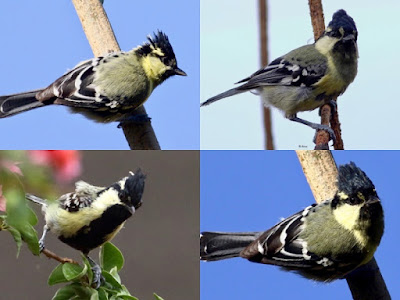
(252, 190)
(43, 39)
(230, 52)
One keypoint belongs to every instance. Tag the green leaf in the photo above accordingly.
(32, 218)
(73, 271)
(94, 295)
(17, 237)
(89, 272)
(111, 256)
(74, 291)
(29, 236)
(102, 294)
(114, 273)
(19, 215)
(57, 276)
(65, 293)
(111, 280)
(157, 297)
(127, 297)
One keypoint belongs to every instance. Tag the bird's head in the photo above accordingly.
(159, 59)
(356, 204)
(132, 190)
(340, 36)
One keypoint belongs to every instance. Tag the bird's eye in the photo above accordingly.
(353, 200)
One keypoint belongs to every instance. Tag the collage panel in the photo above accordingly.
(45, 40)
(83, 81)
(230, 51)
(250, 191)
(159, 242)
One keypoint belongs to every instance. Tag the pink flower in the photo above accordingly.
(12, 166)
(66, 164)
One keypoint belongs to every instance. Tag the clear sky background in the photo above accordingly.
(41, 40)
(368, 110)
(252, 190)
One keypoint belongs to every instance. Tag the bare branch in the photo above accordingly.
(102, 40)
(54, 256)
(263, 16)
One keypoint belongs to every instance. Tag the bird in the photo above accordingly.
(107, 88)
(308, 77)
(91, 215)
(323, 242)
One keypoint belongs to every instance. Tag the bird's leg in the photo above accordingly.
(138, 119)
(41, 241)
(314, 126)
(98, 279)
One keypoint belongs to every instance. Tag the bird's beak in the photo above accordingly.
(349, 37)
(373, 200)
(179, 72)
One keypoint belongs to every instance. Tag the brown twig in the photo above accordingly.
(263, 16)
(322, 138)
(101, 38)
(366, 282)
(54, 256)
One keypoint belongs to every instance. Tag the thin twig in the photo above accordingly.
(54, 256)
(263, 15)
(322, 138)
(101, 38)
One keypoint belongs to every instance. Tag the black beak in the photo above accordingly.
(349, 37)
(179, 72)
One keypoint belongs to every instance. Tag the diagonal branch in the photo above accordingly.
(102, 40)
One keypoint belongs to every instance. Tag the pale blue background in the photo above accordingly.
(368, 110)
(252, 190)
(43, 39)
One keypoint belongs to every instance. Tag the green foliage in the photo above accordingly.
(80, 278)
(19, 219)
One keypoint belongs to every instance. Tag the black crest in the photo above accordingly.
(132, 192)
(161, 41)
(342, 19)
(352, 179)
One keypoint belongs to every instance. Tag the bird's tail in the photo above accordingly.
(222, 245)
(16, 103)
(228, 93)
(36, 199)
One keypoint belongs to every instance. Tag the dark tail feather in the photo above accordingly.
(222, 245)
(16, 103)
(229, 93)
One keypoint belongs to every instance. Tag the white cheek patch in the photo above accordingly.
(348, 216)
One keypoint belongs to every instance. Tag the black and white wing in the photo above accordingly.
(75, 88)
(289, 71)
(282, 246)
(73, 202)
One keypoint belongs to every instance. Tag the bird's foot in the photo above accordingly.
(136, 119)
(326, 128)
(98, 279)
